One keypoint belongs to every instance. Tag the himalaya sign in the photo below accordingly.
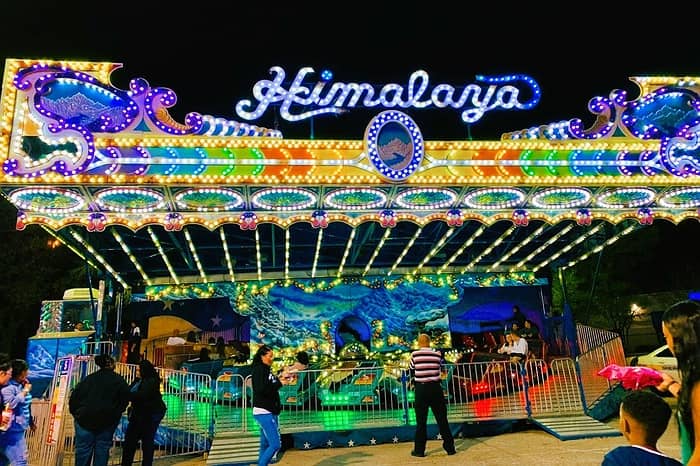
(318, 97)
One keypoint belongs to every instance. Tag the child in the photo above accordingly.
(644, 417)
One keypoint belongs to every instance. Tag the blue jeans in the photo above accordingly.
(270, 441)
(16, 448)
(92, 447)
(13, 448)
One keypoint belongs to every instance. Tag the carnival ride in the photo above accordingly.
(392, 229)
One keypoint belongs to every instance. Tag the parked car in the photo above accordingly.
(660, 359)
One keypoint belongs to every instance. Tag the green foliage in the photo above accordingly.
(30, 272)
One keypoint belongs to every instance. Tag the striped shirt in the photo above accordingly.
(426, 363)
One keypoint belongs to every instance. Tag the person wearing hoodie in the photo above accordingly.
(146, 412)
(97, 403)
(266, 404)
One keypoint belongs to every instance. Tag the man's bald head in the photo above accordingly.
(423, 340)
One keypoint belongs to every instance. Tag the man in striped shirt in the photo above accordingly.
(425, 365)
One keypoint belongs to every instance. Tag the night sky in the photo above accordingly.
(212, 53)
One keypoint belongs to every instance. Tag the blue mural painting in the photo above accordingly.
(381, 315)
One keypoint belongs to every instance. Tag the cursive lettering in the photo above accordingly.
(303, 100)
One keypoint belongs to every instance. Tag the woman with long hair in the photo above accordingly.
(146, 412)
(266, 404)
(681, 329)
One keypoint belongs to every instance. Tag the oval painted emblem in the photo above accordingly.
(394, 145)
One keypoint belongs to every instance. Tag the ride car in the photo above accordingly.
(492, 375)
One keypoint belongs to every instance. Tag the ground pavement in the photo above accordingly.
(531, 446)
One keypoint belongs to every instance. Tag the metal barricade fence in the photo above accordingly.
(337, 399)
(98, 347)
(590, 363)
(186, 428)
(342, 398)
(589, 338)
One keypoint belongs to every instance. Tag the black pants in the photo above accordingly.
(144, 429)
(429, 395)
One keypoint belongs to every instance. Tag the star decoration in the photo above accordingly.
(168, 304)
(329, 443)
(351, 443)
(307, 445)
(215, 321)
(395, 439)
(439, 437)
(373, 441)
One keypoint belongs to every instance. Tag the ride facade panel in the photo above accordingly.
(188, 208)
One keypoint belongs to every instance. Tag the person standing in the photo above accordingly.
(16, 394)
(518, 317)
(97, 404)
(681, 329)
(134, 342)
(266, 404)
(147, 410)
(5, 376)
(426, 364)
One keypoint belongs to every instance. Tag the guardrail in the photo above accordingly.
(339, 399)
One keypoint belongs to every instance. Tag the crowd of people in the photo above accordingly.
(98, 401)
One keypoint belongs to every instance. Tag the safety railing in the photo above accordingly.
(381, 396)
(594, 386)
(346, 397)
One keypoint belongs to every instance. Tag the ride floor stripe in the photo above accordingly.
(575, 427)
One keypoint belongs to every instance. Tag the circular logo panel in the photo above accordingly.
(394, 145)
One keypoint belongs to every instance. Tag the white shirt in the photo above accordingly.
(517, 347)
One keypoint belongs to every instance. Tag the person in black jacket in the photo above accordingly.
(97, 404)
(147, 410)
(266, 404)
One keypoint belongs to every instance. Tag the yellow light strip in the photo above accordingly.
(99, 258)
(600, 247)
(347, 251)
(156, 242)
(286, 254)
(71, 247)
(517, 248)
(193, 250)
(568, 247)
(318, 250)
(257, 253)
(224, 243)
(548, 243)
(490, 248)
(405, 250)
(435, 250)
(376, 251)
(459, 251)
(131, 257)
